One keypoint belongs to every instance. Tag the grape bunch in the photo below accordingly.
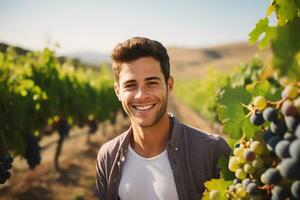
(32, 151)
(247, 163)
(93, 126)
(282, 136)
(63, 127)
(5, 165)
(268, 165)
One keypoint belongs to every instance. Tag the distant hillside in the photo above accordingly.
(23, 51)
(19, 50)
(185, 62)
(89, 57)
(191, 63)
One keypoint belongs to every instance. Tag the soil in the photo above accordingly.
(76, 178)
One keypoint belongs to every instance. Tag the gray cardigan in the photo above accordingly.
(192, 154)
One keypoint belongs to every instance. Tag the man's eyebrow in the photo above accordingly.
(129, 81)
(152, 78)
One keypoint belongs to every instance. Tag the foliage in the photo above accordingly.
(284, 38)
(37, 91)
(216, 184)
(201, 95)
(243, 100)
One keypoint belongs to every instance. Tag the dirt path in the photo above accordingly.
(76, 180)
(190, 117)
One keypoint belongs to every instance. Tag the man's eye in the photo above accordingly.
(152, 83)
(129, 86)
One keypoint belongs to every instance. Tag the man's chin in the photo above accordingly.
(143, 123)
(147, 120)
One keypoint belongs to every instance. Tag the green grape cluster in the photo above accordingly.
(247, 164)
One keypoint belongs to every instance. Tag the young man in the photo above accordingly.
(157, 158)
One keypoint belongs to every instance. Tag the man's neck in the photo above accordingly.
(151, 141)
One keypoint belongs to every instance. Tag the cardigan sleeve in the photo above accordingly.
(101, 169)
(222, 149)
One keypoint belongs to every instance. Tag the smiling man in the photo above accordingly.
(158, 157)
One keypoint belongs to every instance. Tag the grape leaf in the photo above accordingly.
(285, 10)
(232, 142)
(231, 112)
(262, 27)
(286, 47)
(270, 34)
(216, 184)
(226, 174)
(264, 88)
(258, 88)
(247, 128)
(270, 9)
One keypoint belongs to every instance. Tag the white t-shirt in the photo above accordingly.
(147, 178)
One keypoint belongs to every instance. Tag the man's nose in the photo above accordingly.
(141, 93)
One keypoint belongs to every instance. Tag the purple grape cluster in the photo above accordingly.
(5, 165)
(32, 151)
(63, 128)
(281, 122)
(93, 126)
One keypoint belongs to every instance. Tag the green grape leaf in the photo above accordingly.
(231, 113)
(206, 195)
(286, 49)
(247, 128)
(226, 174)
(285, 10)
(232, 142)
(263, 88)
(270, 34)
(262, 27)
(258, 88)
(270, 9)
(233, 128)
(216, 184)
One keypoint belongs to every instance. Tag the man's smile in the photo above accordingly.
(143, 108)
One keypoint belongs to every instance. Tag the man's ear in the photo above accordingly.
(117, 90)
(170, 84)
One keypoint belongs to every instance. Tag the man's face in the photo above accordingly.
(143, 91)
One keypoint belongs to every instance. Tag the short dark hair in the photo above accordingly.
(138, 47)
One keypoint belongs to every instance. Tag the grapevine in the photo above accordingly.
(41, 95)
(262, 118)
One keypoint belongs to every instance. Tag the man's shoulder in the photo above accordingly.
(198, 135)
(200, 140)
(112, 146)
(183, 130)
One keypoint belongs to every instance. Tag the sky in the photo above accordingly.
(98, 25)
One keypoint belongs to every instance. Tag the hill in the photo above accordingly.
(90, 57)
(185, 62)
(191, 63)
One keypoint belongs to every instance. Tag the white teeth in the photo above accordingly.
(142, 108)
